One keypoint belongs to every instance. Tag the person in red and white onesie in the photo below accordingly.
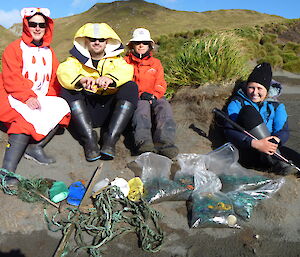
(29, 89)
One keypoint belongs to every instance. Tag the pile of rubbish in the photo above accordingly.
(115, 208)
(219, 193)
(218, 189)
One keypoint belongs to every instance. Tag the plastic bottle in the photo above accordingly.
(100, 185)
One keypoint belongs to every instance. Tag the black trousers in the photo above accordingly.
(100, 107)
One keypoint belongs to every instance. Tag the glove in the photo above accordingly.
(149, 97)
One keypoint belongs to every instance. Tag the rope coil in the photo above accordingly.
(112, 215)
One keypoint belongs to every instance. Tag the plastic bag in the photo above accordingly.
(211, 210)
(245, 201)
(154, 166)
(208, 206)
(156, 178)
(240, 182)
(224, 162)
(224, 158)
(189, 165)
(230, 184)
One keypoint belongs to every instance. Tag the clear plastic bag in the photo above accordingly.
(157, 183)
(208, 206)
(154, 166)
(245, 201)
(230, 184)
(211, 210)
(189, 164)
(224, 162)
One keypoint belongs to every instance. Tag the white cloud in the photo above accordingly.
(76, 3)
(8, 18)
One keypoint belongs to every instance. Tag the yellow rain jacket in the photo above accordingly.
(80, 64)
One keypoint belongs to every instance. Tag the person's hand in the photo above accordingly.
(264, 145)
(103, 82)
(88, 83)
(149, 97)
(33, 103)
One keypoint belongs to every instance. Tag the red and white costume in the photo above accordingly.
(30, 71)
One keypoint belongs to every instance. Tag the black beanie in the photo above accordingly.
(262, 74)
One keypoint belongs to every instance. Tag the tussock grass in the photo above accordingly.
(292, 66)
(214, 58)
(275, 60)
(292, 47)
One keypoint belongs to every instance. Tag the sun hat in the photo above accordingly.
(141, 34)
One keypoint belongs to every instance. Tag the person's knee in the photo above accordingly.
(249, 117)
(128, 92)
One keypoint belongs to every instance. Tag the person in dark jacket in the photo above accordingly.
(264, 118)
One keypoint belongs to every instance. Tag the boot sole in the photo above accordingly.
(28, 157)
(107, 156)
(94, 159)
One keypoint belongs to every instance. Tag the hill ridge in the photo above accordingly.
(125, 16)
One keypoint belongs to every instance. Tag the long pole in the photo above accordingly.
(238, 127)
(60, 249)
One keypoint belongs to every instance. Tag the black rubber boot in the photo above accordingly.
(36, 152)
(276, 165)
(14, 151)
(122, 114)
(82, 125)
(283, 168)
(261, 131)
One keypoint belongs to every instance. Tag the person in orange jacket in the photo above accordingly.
(29, 89)
(153, 113)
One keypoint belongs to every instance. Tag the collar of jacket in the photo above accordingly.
(146, 59)
(87, 60)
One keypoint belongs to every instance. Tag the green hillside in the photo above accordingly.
(124, 16)
(6, 37)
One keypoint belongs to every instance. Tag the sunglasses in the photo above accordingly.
(101, 40)
(33, 24)
(145, 43)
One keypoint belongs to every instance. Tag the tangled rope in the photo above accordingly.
(112, 215)
(28, 190)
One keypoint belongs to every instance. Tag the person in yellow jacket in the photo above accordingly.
(97, 85)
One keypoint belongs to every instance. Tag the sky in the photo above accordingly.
(10, 9)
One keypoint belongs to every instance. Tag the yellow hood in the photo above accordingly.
(114, 45)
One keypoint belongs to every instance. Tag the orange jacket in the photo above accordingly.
(12, 64)
(148, 74)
